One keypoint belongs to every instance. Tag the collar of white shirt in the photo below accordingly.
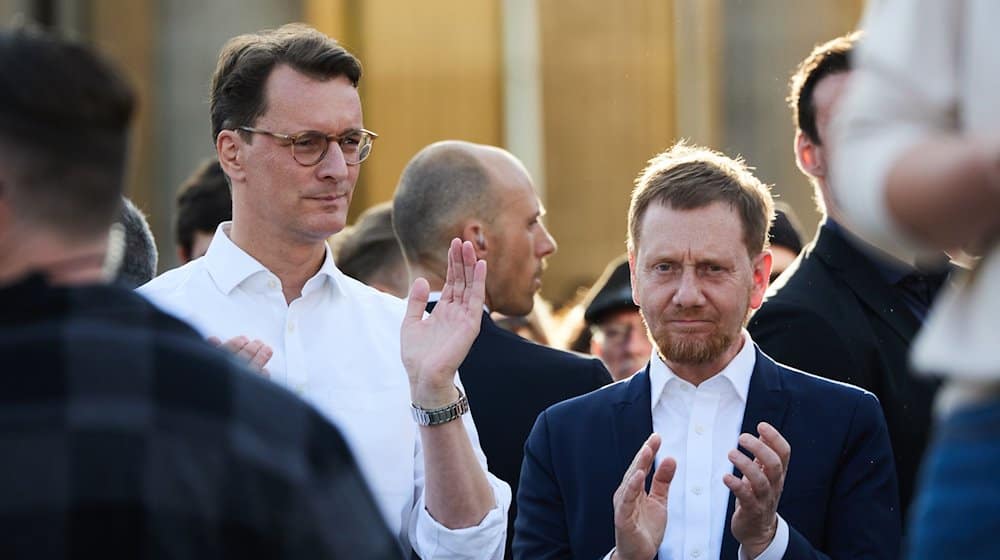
(737, 372)
(230, 266)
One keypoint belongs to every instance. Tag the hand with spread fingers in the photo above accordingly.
(755, 519)
(434, 347)
(254, 353)
(641, 517)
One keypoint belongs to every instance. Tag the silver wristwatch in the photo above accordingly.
(443, 415)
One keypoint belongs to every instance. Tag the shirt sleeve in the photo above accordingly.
(903, 90)
(775, 550)
(485, 541)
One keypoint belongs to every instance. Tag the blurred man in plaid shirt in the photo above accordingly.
(123, 434)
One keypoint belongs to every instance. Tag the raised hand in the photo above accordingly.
(755, 519)
(254, 353)
(641, 518)
(433, 347)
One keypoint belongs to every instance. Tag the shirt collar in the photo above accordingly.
(229, 265)
(737, 372)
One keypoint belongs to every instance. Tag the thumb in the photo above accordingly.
(416, 303)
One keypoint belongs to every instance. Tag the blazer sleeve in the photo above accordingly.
(540, 530)
(801, 338)
(863, 520)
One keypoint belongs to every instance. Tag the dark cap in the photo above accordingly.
(611, 292)
(785, 229)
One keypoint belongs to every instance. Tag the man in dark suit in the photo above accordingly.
(751, 457)
(844, 311)
(484, 195)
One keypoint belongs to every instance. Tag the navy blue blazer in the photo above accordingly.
(509, 381)
(840, 498)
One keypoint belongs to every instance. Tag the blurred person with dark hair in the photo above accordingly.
(785, 238)
(369, 252)
(484, 195)
(289, 134)
(203, 202)
(844, 311)
(619, 336)
(917, 171)
(713, 450)
(108, 452)
(139, 254)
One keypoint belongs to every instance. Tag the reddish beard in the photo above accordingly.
(691, 349)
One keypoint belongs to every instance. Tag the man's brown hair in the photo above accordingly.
(826, 59)
(688, 177)
(246, 61)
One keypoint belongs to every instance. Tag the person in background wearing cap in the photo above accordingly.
(785, 238)
(619, 335)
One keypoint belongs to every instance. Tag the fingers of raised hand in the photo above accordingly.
(627, 496)
(765, 457)
(454, 266)
(468, 269)
(456, 256)
(776, 442)
(256, 354)
(661, 479)
(644, 457)
(752, 473)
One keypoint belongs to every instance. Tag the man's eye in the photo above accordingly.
(308, 141)
(663, 267)
(352, 140)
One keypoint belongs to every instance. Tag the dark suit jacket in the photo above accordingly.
(839, 498)
(835, 316)
(509, 381)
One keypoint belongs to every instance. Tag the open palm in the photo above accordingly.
(434, 346)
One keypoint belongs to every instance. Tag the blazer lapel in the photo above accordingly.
(633, 420)
(860, 274)
(765, 403)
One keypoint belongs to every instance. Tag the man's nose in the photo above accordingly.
(547, 244)
(689, 292)
(333, 165)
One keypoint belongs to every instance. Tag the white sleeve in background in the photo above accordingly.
(903, 90)
(485, 541)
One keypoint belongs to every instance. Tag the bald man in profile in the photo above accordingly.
(483, 194)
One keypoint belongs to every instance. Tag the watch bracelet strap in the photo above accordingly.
(442, 415)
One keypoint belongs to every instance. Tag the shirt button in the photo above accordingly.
(695, 553)
(697, 490)
(699, 429)
(291, 327)
(272, 284)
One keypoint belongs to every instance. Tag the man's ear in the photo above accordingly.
(475, 232)
(809, 156)
(228, 146)
(761, 270)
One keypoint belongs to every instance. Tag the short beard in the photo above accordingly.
(694, 352)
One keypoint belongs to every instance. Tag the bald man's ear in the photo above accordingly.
(473, 231)
(228, 146)
(809, 156)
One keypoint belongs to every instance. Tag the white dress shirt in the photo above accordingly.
(338, 347)
(698, 426)
(926, 68)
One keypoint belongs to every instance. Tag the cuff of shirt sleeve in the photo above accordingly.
(483, 541)
(777, 548)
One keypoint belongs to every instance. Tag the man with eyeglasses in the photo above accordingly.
(287, 124)
(618, 335)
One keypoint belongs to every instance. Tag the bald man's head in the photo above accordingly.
(443, 185)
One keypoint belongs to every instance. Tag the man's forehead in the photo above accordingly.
(714, 229)
(296, 99)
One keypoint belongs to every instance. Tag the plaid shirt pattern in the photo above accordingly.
(124, 435)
